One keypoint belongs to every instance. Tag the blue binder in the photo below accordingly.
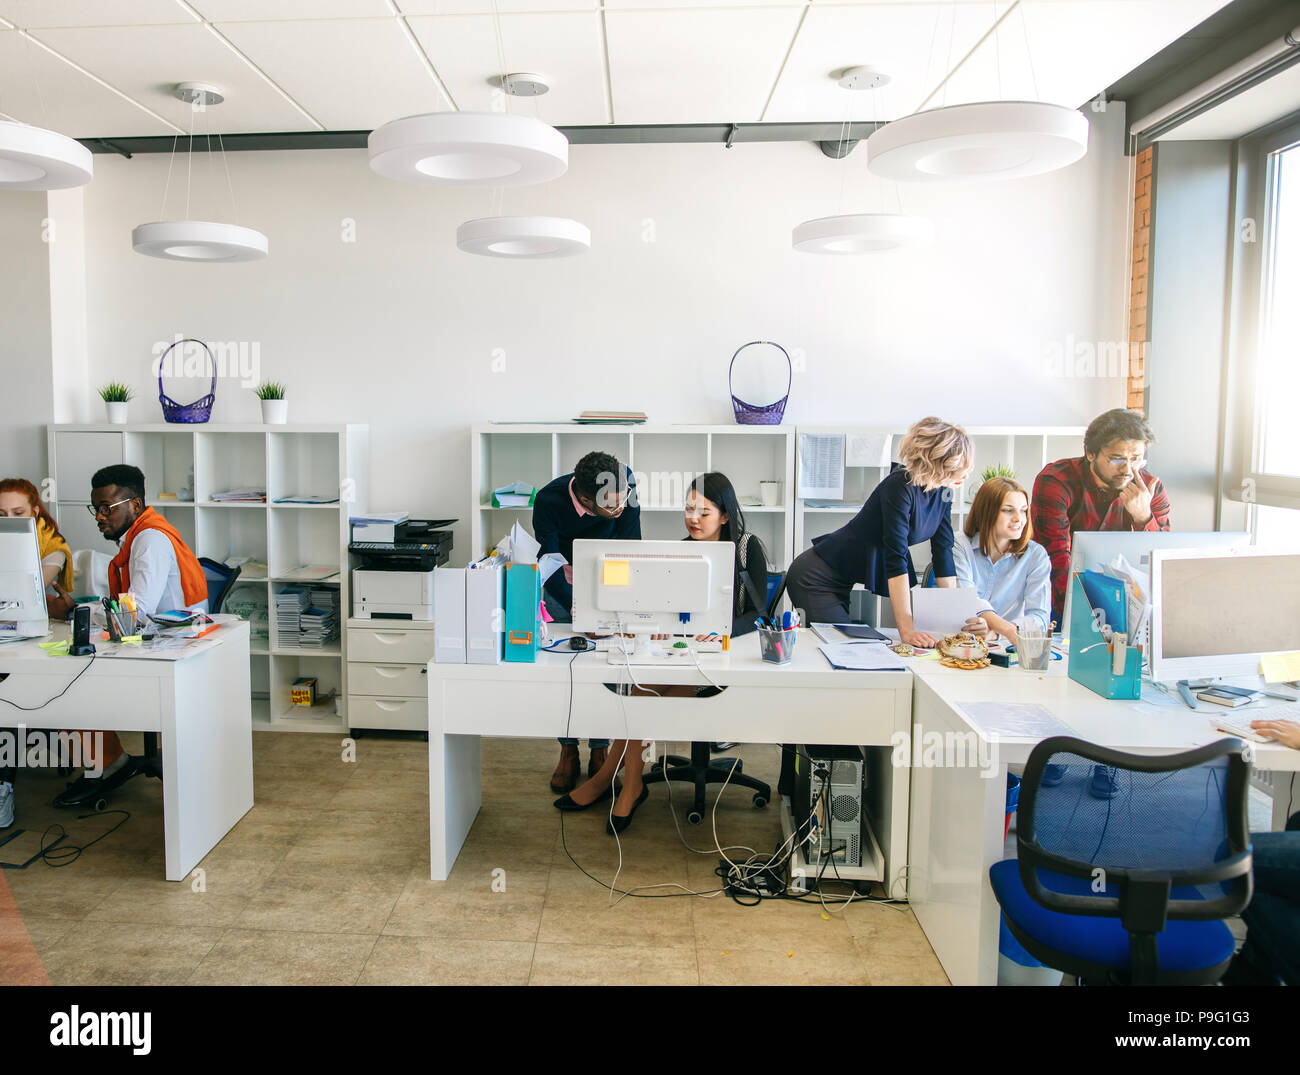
(523, 615)
(1092, 658)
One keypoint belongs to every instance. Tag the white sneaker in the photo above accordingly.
(6, 804)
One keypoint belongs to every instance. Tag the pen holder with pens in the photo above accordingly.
(123, 621)
(776, 645)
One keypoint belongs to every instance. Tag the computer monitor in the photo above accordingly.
(23, 613)
(1090, 550)
(645, 588)
(1215, 612)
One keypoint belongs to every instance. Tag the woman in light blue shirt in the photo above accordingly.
(995, 554)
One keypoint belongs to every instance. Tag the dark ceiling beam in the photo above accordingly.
(722, 134)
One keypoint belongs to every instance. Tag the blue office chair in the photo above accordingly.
(1131, 889)
(220, 580)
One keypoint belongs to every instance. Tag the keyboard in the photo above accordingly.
(1237, 721)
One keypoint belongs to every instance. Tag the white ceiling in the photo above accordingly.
(104, 68)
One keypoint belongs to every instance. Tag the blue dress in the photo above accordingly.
(873, 547)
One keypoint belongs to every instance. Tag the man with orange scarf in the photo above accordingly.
(156, 565)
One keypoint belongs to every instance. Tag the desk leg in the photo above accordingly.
(207, 755)
(957, 818)
(455, 788)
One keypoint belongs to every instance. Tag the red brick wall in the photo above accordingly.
(1139, 262)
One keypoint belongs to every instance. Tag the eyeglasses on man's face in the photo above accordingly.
(106, 509)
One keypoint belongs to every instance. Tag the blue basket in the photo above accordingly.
(747, 414)
(187, 413)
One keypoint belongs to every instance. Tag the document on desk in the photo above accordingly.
(1013, 720)
(848, 632)
(944, 610)
(862, 657)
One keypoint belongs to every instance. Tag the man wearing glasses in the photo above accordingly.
(153, 563)
(1106, 489)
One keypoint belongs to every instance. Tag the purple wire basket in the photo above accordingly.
(747, 414)
(187, 413)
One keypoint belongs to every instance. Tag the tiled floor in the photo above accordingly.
(326, 880)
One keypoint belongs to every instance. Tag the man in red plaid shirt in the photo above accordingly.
(1106, 489)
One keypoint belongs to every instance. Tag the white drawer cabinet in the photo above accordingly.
(387, 684)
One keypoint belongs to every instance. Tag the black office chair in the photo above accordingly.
(701, 769)
(220, 580)
(1133, 889)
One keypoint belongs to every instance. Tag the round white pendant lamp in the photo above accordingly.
(32, 158)
(524, 237)
(469, 149)
(860, 233)
(984, 140)
(198, 240)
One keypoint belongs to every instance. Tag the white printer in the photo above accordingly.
(392, 595)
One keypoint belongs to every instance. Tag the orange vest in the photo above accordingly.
(194, 584)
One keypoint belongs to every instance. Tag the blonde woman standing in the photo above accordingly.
(912, 504)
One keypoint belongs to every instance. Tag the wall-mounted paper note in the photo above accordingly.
(821, 466)
(867, 450)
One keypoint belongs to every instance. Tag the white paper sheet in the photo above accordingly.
(867, 450)
(943, 611)
(1014, 720)
(821, 466)
(523, 546)
(862, 656)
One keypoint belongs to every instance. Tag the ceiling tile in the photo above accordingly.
(565, 48)
(1076, 48)
(351, 74)
(696, 66)
(146, 62)
(285, 10)
(912, 43)
(484, 7)
(27, 14)
(40, 89)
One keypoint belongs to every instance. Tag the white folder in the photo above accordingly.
(485, 602)
(449, 615)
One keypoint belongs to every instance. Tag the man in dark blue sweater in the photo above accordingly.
(598, 500)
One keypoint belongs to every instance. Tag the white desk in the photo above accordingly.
(957, 814)
(805, 701)
(196, 697)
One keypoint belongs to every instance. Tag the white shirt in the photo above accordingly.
(1012, 584)
(155, 575)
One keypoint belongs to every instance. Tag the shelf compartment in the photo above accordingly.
(228, 461)
(303, 464)
(166, 459)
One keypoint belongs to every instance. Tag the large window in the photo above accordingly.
(1277, 446)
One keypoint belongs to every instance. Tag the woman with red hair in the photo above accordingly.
(20, 499)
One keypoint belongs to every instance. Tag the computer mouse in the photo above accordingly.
(578, 642)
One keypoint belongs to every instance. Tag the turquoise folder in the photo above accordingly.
(523, 602)
(1092, 658)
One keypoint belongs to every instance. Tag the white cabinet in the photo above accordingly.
(183, 467)
(388, 686)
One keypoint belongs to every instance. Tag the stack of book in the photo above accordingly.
(320, 620)
(236, 496)
(290, 603)
(611, 418)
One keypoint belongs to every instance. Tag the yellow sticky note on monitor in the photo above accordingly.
(616, 573)
(1280, 667)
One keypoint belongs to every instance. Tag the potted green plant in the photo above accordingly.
(996, 470)
(275, 408)
(116, 395)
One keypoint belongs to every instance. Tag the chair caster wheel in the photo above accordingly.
(100, 805)
(694, 817)
(739, 767)
(657, 767)
(759, 802)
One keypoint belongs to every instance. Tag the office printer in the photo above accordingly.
(394, 579)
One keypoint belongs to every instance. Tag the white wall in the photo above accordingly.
(399, 329)
(25, 362)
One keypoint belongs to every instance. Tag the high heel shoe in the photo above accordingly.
(565, 802)
(617, 824)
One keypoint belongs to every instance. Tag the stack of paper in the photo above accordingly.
(307, 498)
(290, 603)
(311, 573)
(515, 495)
(245, 493)
(862, 657)
(611, 417)
(376, 526)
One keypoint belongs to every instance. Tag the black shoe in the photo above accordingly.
(85, 789)
(617, 824)
(565, 802)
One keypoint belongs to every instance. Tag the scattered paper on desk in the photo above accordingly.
(867, 450)
(549, 564)
(821, 466)
(1013, 720)
(835, 632)
(523, 546)
(862, 657)
(1280, 667)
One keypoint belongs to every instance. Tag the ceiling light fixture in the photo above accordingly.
(198, 240)
(32, 158)
(860, 233)
(524, 237)
(469, 149)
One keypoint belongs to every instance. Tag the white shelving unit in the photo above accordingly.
(664, 459)
(1026, 449)
(286, 460)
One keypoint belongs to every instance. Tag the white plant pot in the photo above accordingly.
(116, 412)
(275, 412)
